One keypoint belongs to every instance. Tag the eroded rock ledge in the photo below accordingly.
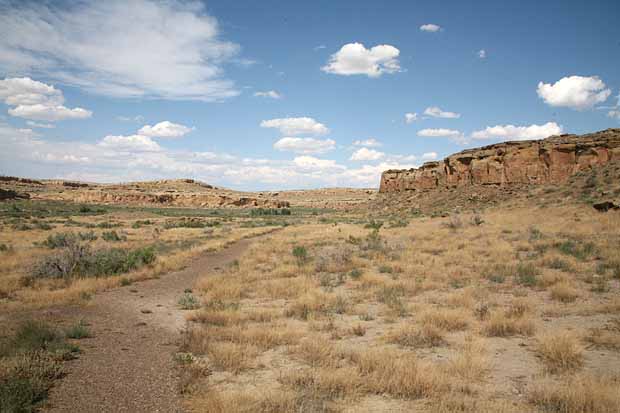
(550, 160)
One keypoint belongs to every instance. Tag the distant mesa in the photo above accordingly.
(545, 161)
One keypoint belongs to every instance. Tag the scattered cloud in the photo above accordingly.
(169, 49)
(137, 118)
(411, 117)
(296, 126)
(575, 92)
(614, 114)
(310, 162)
(304, 145)
(370, 142)
(482, 54)
(365, 154)
(435, 112)
(269, 94)
(429, 156)
(165, 129)
(132, 143)
(440, 133)
(355, 59)
(37, 101)
(511, 132)
(430, 27)
(40, 125)
(320, 47)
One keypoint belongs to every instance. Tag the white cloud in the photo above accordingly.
(614, 114)
(436, 112)
(310, 162)
(411, 117)
(304, 145)
(370, 142)
(511, 132)
(269, 94)
(355, 59)
(319, 47)
(296, 126)
(37, 101)
(575, 92)
(429, 156)
(49, 113)
(430, 27)
(365, 154)
(40, 125)
(132, 143)
(165, 129)
(440, 133)
(482, 54)
(163, 49)
(137, 118)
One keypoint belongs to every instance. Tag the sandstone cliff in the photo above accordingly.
(551, 160)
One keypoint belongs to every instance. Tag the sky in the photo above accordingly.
(289, 94)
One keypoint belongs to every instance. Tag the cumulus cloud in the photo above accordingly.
(429, 156)
(165, 129)
(355, 59)
(163, 49)
(269, 94)
(440, 133)
(370, 142)
(435, 112)
(482, 54)
(430, 27)
(575, 92)
(37, 101)
(132, 143)
(40, 125)
(511, 132)
(304, 145)
(296, 126)
(365, 154)
(49, 113)
(411, 117)
(310, 162)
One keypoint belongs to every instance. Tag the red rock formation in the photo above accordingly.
(550, 160)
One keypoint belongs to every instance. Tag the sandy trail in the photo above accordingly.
(128, 366)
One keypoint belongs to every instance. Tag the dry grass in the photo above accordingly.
(564, 292)
(505, 324)
(560, 352)
(577, 394)
(445, 319)
(425, 335)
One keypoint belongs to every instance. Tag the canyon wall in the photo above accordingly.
(550, 160)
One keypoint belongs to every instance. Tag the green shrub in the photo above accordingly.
(112, 236)
(374, 225)
(60, 240)
(140, 223)
(269, 211)
(31, 361)
(385, 269)
(78, 331)
(527, 274)
(301, 255)
(579, 250)
(188, 301)
(355, 273)
(87, 236)
(80, 261)
(560, 264)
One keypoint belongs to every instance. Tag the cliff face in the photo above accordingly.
(551, 160)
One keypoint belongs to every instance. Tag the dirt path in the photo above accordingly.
(127, 366)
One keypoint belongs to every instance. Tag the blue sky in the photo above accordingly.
(280, 94)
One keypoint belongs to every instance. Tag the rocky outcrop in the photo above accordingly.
(551, 160)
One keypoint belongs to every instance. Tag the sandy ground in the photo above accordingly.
(128, 365)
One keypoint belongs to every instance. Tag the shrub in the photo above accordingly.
(560, 264)
(498, 273)
(477, 220)
(527, 274)
(78, 260)
(385, 269)
(189, 302)
(301, 255)
(78, 331)
(454, 222)
(87, 236)
(564, 292)
(355, 273)
(269, 211)
(581, 251)
(60, 240)
(374, 225)
(112, 236)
